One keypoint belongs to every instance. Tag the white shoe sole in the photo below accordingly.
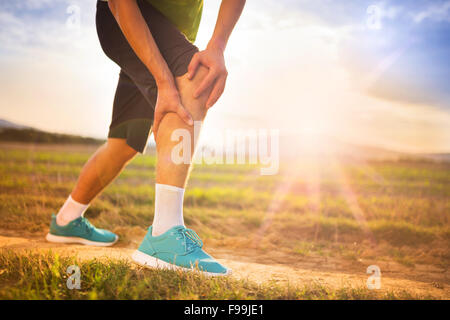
(61, 239)
(152, 262)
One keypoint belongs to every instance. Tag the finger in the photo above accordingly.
(206, 83)
(156, 122)
(185, 115)
(193, 65)
(216, 92)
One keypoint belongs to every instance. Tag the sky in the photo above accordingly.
(365, 72)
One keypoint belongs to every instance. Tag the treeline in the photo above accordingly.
(37, 136)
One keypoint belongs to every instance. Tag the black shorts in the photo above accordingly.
(136, 93)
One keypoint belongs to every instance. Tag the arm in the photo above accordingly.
(212, 56)
(138, 35)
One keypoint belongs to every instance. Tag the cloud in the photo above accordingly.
(285, 71)
(437, 13)
(43, 24)
(54, 77)
(33, 4)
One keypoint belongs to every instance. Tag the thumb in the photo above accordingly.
(156, 122)
(193, 65)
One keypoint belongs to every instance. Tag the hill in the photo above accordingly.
(10, 131)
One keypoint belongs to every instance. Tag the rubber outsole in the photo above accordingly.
(60, 239)
(151, 262)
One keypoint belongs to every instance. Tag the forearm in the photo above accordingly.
(138, 35)
(229, 13)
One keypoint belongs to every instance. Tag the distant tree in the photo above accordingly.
(37, 136)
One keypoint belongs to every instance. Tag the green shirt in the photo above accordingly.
(184, 14)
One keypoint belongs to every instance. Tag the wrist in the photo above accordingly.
(217, 44)
(167, 90)
(165, 82)
(161, 73)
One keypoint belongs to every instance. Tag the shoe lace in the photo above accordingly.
(87, 226)
(191, 238)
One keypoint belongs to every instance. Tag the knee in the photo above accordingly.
(128, 154)
(187, 88)
(120, 150)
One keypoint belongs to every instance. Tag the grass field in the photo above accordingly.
(332, 216)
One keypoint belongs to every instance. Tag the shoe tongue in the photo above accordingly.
(177, 229)
(83, 219)
(79, 219)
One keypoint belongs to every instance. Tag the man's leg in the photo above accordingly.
(168, 244)
(171, 177)
(168, 172)
(104, 165)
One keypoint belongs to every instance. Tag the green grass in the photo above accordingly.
(44, 276)
(404, 204)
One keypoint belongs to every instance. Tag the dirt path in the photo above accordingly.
(420, 281)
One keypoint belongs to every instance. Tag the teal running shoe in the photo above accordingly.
(178, 248)
(80, 231)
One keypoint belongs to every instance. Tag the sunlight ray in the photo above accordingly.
(313, 181)
(368, 170)
(308, 173)
(351, 199)
(278, 199)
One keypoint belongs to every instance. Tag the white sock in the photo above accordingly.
(71, 210)
(168, 208)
